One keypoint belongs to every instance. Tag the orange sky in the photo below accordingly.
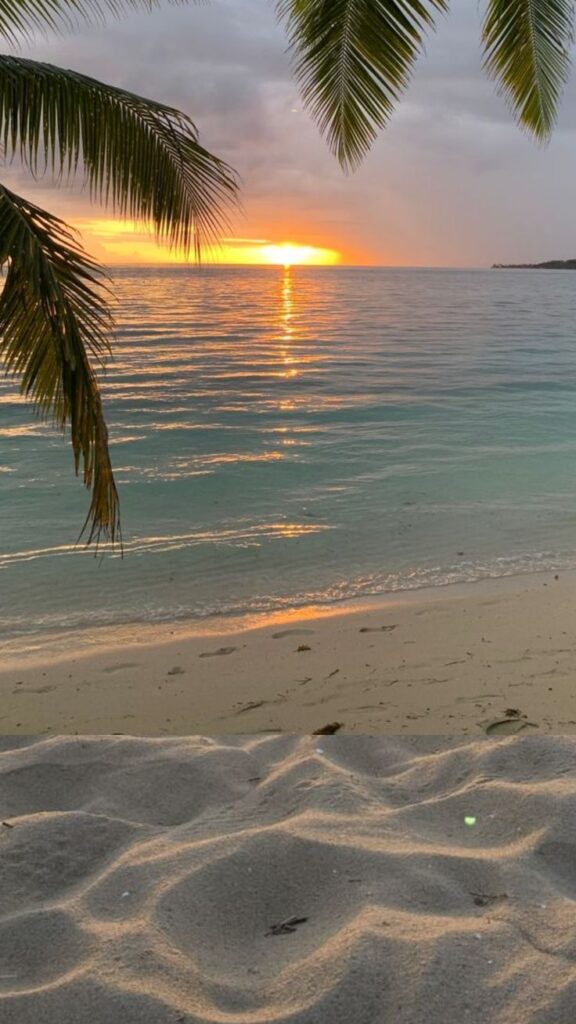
(449, 182)
(123, 242)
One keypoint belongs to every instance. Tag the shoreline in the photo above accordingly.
(440, 660)
(53, 646)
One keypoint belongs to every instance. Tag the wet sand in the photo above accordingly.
(450, 660)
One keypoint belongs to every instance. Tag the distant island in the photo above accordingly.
(550, 265)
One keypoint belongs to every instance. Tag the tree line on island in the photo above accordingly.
(548, 265)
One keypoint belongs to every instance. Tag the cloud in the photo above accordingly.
(452, 181)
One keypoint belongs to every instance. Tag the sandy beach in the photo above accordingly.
(380, 880)
(452, 660)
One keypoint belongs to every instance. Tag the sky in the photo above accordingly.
(452, 181)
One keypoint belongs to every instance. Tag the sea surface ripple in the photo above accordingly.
(284, 437)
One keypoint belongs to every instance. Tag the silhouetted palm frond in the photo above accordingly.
(53, 311)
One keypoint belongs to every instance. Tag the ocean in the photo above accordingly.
(286, 437)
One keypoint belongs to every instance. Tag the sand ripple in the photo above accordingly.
(140, 878)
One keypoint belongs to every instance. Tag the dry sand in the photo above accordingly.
(442, 661)
(433, 880)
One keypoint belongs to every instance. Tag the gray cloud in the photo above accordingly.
(452, 180)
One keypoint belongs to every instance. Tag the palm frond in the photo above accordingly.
(25, 18)
(353, 59)
(140, 157)
(53, 312)
(526, 50)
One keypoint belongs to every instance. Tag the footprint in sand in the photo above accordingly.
(291, 632)
(176, 671)
(378, 629)
(214, 654)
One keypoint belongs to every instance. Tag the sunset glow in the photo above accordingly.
(124, 242)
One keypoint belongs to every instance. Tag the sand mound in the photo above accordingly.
(374, 880)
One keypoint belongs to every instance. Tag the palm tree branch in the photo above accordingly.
(53, 314)
(25, 18)
(353, 59)
(526, 46)
(141, 157)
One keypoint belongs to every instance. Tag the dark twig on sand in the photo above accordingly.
(290, 925)
(484, 899)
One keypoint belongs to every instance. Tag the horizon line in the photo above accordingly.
(300, 266)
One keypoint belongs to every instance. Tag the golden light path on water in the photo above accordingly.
(282, 357)
(284, 436)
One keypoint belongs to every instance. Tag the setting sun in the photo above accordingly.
(288, 255)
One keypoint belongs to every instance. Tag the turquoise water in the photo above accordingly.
(284, 437)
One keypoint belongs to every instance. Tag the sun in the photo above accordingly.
(287, 254)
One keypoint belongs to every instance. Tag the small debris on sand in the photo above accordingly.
(214, 654)
(507, 726)
(484, 899)
(120, 667)
(378, 629)
(328, 730)
(285, 927)
(249, 706)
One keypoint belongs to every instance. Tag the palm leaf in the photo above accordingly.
(526, 45)
(25, 18)
(353, 60)
(53, 312)
(140, 157)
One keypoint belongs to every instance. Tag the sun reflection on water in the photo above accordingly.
(286, 325)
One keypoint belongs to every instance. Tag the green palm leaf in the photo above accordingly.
(526, 44)
(52, 310)
(140, 157)
(353, 60)
(24, 18)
